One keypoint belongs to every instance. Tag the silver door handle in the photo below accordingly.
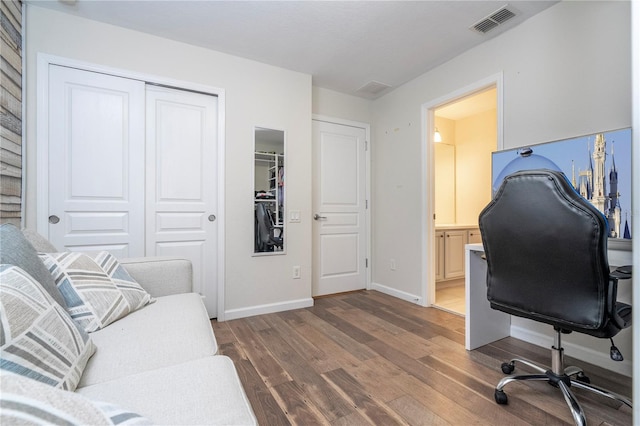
(318, 217)
(212, 217)
(53, 219)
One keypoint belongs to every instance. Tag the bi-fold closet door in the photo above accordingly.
(132, 169)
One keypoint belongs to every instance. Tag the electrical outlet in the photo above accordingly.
(392, 264)
(296, 272)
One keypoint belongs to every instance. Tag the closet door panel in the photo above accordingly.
(96, 158)
(182, 182)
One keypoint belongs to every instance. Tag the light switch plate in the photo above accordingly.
(296, 272)
(294, 216)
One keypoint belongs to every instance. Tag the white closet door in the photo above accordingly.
(181, 181)
(96, 154)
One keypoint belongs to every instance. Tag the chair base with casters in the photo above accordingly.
(559, 376)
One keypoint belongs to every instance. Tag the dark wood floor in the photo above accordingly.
(367, 358)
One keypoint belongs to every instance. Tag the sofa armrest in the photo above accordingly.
(161, 276)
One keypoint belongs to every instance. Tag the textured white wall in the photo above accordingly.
(567, 72)
(256, 94)
(338, 105)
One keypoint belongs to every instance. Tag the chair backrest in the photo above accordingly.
(265, 225)
(546, 250)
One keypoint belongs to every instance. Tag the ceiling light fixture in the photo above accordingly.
(437, 137)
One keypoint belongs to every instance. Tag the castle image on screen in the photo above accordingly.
(598, 166)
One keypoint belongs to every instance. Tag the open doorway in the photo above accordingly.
(466, 136)
(460, 132)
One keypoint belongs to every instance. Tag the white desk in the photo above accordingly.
(485, 325)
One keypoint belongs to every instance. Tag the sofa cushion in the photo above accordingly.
(38, 339)
(26, 401)
(96, 288)
(172, 330)
(16, 250)
(40, 243)
(201, 391)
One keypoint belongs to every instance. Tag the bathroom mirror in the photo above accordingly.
(269, 191)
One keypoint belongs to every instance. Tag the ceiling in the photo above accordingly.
(343, 45)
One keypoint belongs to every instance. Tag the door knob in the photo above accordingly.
(212, 217)
(318, 217)
(53, 219)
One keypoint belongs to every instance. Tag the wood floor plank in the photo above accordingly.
(353, 419)
(298, 408)
(335, 330)
(351, 390)
(365, 321)
(264, 405)
(372, 372)
(328, 401)
(320, 311)
(299, 337)
(410, 323)
(435, 316)
(415, 346)
(366, 358)
(436, 400)
(222, 332)
(262, 360)
(416, 413)
(481, 405)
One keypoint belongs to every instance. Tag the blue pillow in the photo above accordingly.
(16, 250)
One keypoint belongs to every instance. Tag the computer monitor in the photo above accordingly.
(598, 166)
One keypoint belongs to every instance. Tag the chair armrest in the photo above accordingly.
(623, 272)
(161, 276)
(612, 305)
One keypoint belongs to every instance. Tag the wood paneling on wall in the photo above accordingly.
(11, 111)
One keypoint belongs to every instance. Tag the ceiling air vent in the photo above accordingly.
(490, 22)
(373, 88)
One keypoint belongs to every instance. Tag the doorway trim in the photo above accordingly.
(367, 129)
(428, 291)
(44, 61)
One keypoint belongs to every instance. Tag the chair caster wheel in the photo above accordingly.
(582, 378)
(501, 397)
(507, 367)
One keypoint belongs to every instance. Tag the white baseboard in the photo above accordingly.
(397, 293)
(270, 308)
(582, 353)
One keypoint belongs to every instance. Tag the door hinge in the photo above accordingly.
(366, 204)
(366, 262)
(366, 145)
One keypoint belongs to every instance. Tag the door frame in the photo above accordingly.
(367, 227)
(428, 289)
(44, 61)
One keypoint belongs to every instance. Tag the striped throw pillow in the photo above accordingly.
(95, 287)
(38, 339)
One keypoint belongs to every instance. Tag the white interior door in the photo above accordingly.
(339, 206)
(182, 183)
(96, 153)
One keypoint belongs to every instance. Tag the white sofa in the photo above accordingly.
(160, 361)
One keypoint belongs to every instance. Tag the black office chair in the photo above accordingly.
(546, 252)
(266, 238)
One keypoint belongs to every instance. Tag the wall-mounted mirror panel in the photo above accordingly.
(269, 191)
